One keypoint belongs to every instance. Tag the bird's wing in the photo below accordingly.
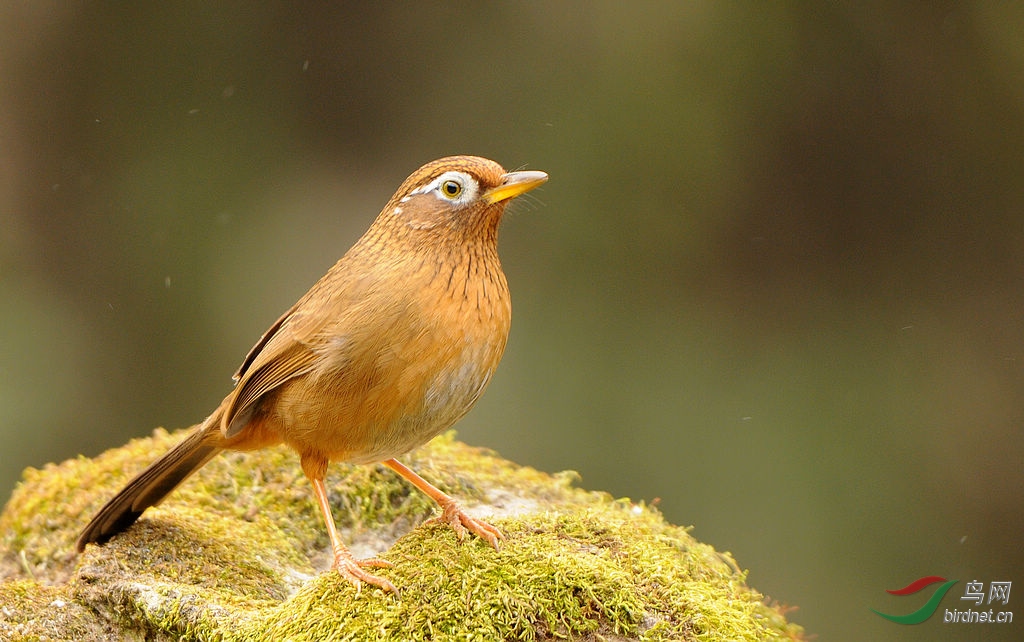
(291, 347)
(279, 356)
(285, 351)
(264, 340)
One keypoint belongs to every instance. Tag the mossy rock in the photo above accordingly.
(239, 553)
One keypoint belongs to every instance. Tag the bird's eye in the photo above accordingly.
(451, 188)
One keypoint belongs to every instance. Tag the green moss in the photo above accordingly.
(30, 611)
(239, 553)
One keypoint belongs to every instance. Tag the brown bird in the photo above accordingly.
(391, 347)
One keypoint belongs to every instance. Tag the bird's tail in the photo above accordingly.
(150, 486)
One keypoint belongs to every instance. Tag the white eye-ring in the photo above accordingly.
(458, 188)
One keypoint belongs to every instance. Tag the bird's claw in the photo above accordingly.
(353, 570)
(461, 522)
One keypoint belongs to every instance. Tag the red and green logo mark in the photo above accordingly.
(925, 612)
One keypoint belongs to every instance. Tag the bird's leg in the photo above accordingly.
(451, 512)
(349, 567)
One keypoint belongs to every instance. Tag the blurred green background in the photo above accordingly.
(774, 281)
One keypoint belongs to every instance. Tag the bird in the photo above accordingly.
(392, 346)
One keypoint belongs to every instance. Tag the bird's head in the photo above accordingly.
(457, 193)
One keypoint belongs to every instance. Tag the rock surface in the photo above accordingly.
(239, 552)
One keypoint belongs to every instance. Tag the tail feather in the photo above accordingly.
(150, 486)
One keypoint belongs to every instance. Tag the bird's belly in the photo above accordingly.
(379, 421)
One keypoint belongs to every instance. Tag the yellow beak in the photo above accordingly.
(513, 184)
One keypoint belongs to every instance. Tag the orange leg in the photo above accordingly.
(349, 567)
(450, 510)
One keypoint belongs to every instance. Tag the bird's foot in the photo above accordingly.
(353, 570)
(460, 521)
